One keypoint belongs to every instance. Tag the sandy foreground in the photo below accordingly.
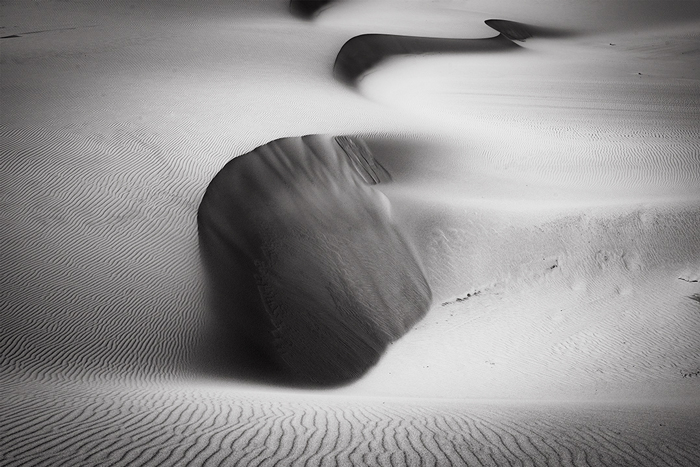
(551, 192)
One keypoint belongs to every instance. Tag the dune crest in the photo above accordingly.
(307, 9)
(361, 53)
(520, 31)
(305, 259)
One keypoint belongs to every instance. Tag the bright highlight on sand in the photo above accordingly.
(351, 232)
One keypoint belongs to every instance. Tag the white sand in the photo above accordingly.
(556, 181)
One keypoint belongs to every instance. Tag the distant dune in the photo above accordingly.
(361, 53)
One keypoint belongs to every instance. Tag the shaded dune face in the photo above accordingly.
(305, 260)
(307, 9)
(521, 32)
(361, 53)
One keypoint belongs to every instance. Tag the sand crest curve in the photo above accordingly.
(361, 53)
(307, 9)
(520, 32)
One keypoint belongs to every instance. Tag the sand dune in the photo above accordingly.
(550, 197)
(544, 127)
(306, 260)
(307, 8)
(521, 32)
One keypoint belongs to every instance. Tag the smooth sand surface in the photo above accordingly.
(550, 193)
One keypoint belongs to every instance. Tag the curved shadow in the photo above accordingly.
(307, 9)
(361, 53)
(521, 31)
(311, 279)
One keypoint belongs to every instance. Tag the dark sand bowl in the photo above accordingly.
(306, 264)
(521, 32)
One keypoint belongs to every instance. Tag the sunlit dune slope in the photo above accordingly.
(521, 32)
(190, 425)
(571, 121)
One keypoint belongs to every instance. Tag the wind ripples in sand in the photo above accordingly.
(167, 427)
(109, 204)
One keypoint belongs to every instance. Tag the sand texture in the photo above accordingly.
(490, 234)
(195, 426)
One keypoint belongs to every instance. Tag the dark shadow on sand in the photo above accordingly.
(310, 277)
(307, 9)
(361, 53)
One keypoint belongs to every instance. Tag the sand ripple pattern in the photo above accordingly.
(172, 426)
(99, 268)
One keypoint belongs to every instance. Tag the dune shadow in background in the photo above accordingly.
(307, 9)
(521, 32)
(311, 279)
(361, 53)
